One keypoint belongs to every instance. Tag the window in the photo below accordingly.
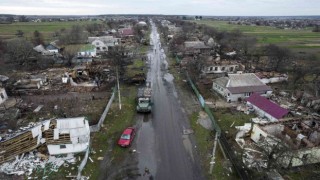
(216, 68)
(247, 94)
(223, 68)
(104, 48)
(231, 69)
(1, 95)
(211, 68)
(62, 146)
(98, 48)
(97, 43)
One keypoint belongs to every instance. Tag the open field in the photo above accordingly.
(303, 40)
(8, 31)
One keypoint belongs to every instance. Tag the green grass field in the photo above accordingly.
(303, 40)
(8, 31)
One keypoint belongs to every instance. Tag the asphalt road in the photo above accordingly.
(162, 146)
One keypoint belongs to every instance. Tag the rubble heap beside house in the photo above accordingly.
(60, 136)
(272, 77)
(293, 141)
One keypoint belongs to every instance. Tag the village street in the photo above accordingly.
(162, 147)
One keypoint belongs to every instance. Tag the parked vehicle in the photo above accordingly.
(127, 137)
(144, 103)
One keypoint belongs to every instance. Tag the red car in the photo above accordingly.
(126, 137)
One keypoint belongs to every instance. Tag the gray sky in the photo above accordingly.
(171, 7)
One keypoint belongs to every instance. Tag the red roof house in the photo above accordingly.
(267, 108)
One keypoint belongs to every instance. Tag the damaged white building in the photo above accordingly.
(61, 136)
(290, 142)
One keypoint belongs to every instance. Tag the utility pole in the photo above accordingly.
(118, 88)
(213, 153)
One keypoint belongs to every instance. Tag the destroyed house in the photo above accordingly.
(221, 67)
(299, 137)
(61, 136)
(266, 108)
(196, 47)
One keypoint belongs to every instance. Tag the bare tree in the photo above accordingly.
(37, 38)
(19, 33)
(75, 35)
(19, 51)
(279, 57)
(69, 53)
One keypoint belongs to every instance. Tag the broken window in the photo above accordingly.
(62, 146)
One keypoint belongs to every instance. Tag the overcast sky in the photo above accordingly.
(170, 7)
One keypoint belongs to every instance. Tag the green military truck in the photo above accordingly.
(144, 103)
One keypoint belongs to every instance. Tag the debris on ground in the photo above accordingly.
(27, 163)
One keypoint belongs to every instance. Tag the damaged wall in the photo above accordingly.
(61, 136)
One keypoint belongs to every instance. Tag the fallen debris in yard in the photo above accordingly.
(27, 163)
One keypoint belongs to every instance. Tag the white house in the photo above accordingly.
(76, 130)
(88, 51)
(104, 43)
(240, 86)
(3, 95)
(53, 48)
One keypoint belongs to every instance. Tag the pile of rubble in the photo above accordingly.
(27, 163)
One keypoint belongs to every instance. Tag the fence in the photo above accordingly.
(96, 128)
(237, 165)
(83, 163)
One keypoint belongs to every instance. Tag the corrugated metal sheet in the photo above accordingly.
(247, 79)
(71, 123)
(267, 106)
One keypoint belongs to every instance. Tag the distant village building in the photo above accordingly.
(104, 43)
(126, 32)
(142, 23)
(196, 48)
(53, 48)
(87, 51)
(240, 86)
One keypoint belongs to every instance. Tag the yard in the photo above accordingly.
(303, 41)
(8, 31)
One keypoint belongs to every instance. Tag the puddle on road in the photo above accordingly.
(168, 77)
(146, 147)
